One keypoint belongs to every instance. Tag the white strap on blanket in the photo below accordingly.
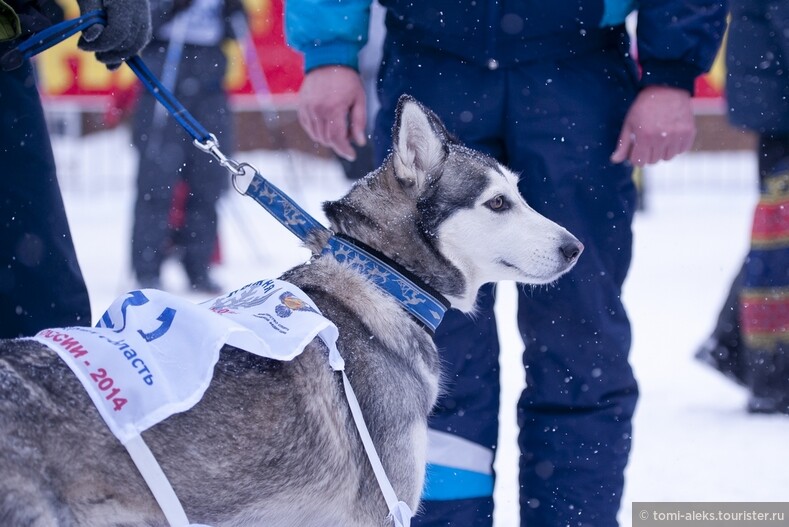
(160, 486)
(399, 511)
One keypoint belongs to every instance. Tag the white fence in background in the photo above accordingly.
(104, 163)
(96, 164)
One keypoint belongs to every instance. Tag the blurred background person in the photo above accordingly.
(186, 54)
(750, 343)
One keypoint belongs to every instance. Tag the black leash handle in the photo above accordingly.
(50, 36)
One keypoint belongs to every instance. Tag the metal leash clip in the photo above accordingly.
(236, 169)
(211, 146)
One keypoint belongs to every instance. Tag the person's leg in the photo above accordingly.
(206, 178)
(41, 285)
(200, 235)
(575, 413)
(160, 163)
(161, 147)
(764, 305)
(463, 430)
(764, 309)
(464, 426)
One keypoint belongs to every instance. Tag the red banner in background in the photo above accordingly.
(64, 70)
(711, 85)
(707, 88)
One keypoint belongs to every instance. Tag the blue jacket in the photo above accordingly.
(677, 39)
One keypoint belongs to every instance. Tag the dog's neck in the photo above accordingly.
(369, 214)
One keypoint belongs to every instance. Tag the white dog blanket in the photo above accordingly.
(153, 354)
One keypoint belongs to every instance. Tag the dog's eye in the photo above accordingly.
(498, 204)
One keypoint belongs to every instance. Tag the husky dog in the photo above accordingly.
(273, 443)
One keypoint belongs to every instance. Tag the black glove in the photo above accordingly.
(127, 31)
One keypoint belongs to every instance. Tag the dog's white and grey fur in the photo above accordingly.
(273, 443)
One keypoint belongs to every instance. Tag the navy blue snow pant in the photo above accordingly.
(41, 284)
(555, 122)
(168, 156)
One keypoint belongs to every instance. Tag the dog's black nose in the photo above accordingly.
(571, 250)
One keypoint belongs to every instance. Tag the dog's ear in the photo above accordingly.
(420, 142)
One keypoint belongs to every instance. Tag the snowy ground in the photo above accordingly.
(692, 439)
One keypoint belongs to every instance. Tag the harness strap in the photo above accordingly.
(399, 511)
(157, 481)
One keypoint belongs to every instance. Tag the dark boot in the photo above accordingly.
(769, 381)
(723, 350)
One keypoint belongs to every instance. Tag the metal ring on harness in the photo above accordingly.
(234, 177)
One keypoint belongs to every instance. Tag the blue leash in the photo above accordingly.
(426, 307)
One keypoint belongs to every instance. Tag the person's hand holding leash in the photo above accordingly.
(659, 125)
(332, 108)
(127, 31)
